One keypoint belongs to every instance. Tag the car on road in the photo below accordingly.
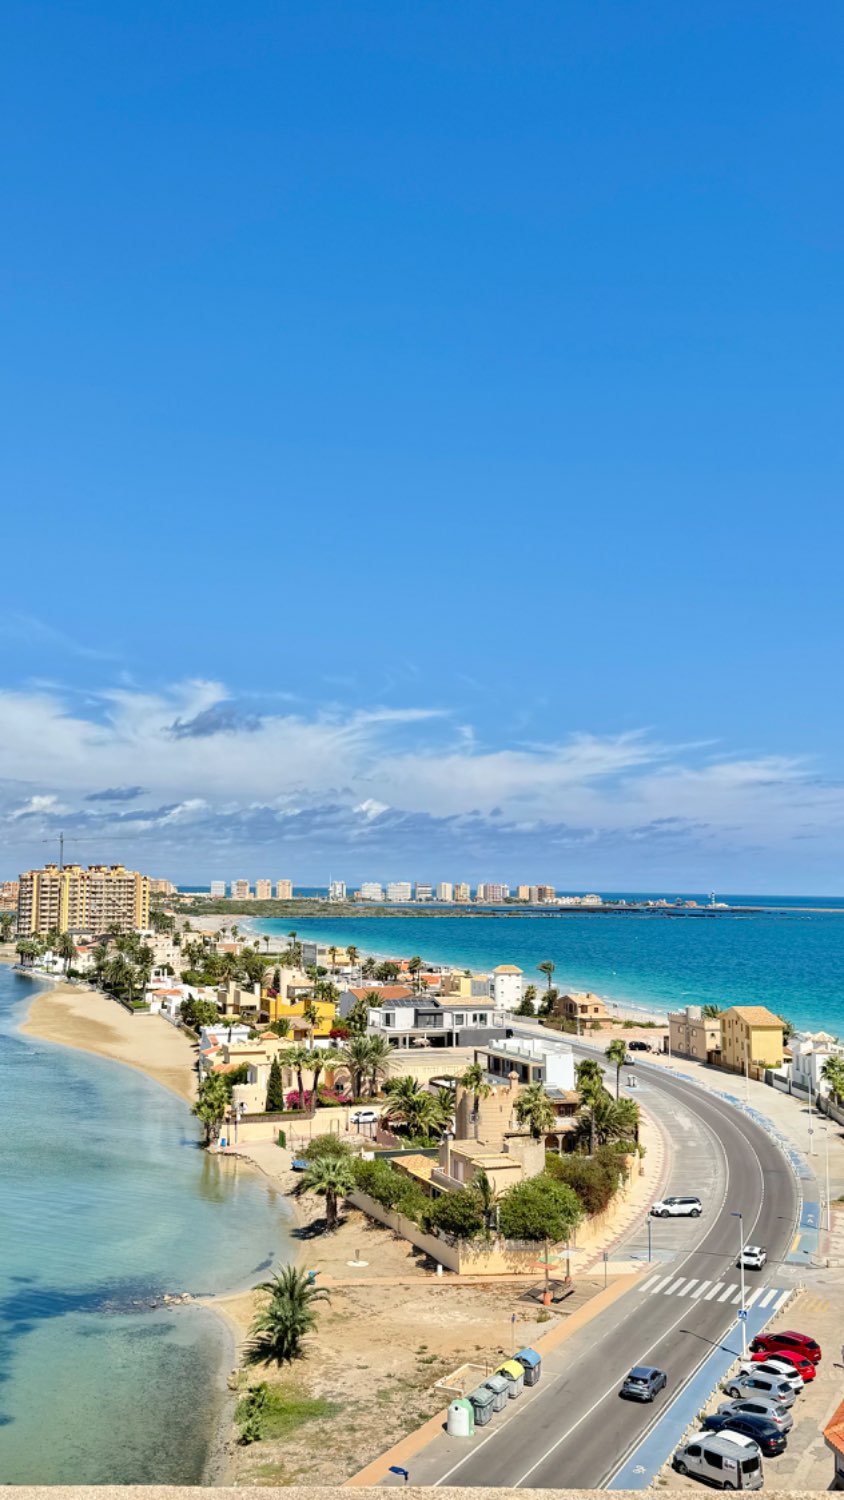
(788, 1342)
(677, 1208)
(760, 1384)
(779, 1368)
(753, 1257)
(771, 1438)
(787, 1358)
(643, 1383)
(761, 1406)
(364, 1117)
(729, 1460)
(639, 1046)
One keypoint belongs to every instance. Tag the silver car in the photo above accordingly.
(760, 1406)
(741, 1385)
(779, 1368)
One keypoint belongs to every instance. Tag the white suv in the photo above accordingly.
(677, 1208)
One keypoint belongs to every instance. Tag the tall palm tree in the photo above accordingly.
(379, 1061)
(475, 1079)
(332, 1177)
(615, 1053)
(413, 1107)
(485, 1189)
(279, 1329)
(352, 955)
(415, 966)
(832, 1073)
(298, 1058)
(66, 949)
(593, 1093)
(332, 954)
(355, 1061)
(534, 1109)
(368, 967)
(547, 968)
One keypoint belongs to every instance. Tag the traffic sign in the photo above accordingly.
(743, 1313)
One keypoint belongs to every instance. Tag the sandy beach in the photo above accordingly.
(85, 1019)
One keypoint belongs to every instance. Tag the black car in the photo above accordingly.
(643, 1383)
(767, 1434)
(639, 1047)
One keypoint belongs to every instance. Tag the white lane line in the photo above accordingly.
(754, 1296)
(783, 1297)
(649, 1283)
(701, 1289)
(717, 1287)
(686, 1289)
(737, 1298)
(660, 1284)
(728, 1292)
(670, 1290)
(769, 1297)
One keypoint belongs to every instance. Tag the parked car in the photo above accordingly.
(779, 1368)
(760, 1384)
(753, 1257)
(771, 1438)
(365, 1117)
(761, 1406)
(729, 1460)
(639, 1046)
(800, 1343)
(677, 1208)
(643, 1383)
(786, 1357)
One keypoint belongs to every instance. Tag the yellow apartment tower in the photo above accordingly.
(73, 899)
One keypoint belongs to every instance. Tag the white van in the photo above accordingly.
(729, 1460)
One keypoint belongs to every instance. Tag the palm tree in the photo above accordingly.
(267, 941)
(530, 993)
(278, 1329)
(547, 968)
(711, 1011)
(352, 955)
(354, 1060)
(332, 1177)
(413, 1107)
(485, 1189)
(590, 1084)
(27, 948)
(379, 1061)
(616, 1053)
(332, 954)
(298, 1058)
(368, 967)
(534, 1109)
(415, 966)
(832, 1073)
(475, 1079)
(66, 949)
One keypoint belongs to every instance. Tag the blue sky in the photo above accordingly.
(422, 440)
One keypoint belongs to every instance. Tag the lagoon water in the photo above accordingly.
(105, 1203)
(791, 960)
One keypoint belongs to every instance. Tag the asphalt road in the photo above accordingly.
(575, 1431)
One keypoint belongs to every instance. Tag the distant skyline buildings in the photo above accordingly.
(394, 892)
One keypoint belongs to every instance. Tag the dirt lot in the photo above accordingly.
(391, 1329)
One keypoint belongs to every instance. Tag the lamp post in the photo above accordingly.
(649, 1241)
(743, 1310)
(828, 1215)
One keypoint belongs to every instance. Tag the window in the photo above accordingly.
(388, 1020)
(713, 1460)
(459, 1020)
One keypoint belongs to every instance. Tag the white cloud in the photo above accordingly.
(204, 772)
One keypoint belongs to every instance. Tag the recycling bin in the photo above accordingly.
(500, 1387)
(515, 1373)
(532, 1363)
(483, 1402)
(460, 1421)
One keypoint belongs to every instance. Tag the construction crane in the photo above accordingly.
(63, 841)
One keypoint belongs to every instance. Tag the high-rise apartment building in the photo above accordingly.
(370, 890)
(546, 893)
(75, 900)
(489, 891)
(522, 892)
(9, 895)
(337, 890)
(241, 890)
(462, 892)
(218, 890)
(445, 891)
(424, 892)
(399, 890)
(284, 890)
(263, 890)
(162, 888)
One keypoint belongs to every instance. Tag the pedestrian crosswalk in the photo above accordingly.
(771, 1298)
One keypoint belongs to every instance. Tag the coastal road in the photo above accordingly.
(574, 1431)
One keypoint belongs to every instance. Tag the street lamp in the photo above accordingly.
(743, 1309)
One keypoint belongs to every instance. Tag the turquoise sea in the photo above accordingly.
(790, 959)
(107, 1203)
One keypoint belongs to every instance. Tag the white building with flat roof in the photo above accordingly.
(399, 890)
(445, 891)
(507, 983)
(532, 1059)
(337, 890)
(218, 890)
(371, 890)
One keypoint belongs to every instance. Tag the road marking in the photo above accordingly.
(715, 1290)
(687, 1289)
(727, 1292)
(670, 1290)
(701, 1289)
(660, 1284)
(737, 1298)
(769, 1297)
(783, 1297)
(649, 1283)
(753, 1296)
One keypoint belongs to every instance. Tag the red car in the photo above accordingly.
(804, 1367)
(788, 1343)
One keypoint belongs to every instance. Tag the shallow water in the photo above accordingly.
(107, 1201)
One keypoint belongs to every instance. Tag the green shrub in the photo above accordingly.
(594, 1179)
(326, 1145)
(458, 1214)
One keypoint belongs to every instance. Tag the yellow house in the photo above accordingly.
(276, 1009)
(751, 1034)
